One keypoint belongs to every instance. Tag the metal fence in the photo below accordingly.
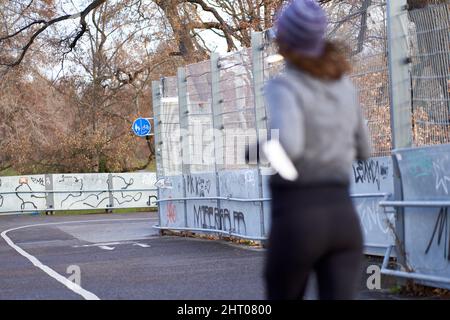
(400, 61)
(430, 72)
(363, 29)
(210, 111)
(238, 91)
(169, 128)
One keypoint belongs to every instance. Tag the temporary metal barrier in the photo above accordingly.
(400, 68)
(211, 187)
(425, 175)
(56, 192)
(427, 279)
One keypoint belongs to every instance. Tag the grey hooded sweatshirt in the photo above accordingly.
(321, 126)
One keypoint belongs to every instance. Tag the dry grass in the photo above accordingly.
(211, 236)
(412, 289)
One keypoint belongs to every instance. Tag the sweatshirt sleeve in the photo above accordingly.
(285, 115)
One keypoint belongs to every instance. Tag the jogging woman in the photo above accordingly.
(314, 105)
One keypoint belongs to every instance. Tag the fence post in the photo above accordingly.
(184, 130)
(399, 74)
(217, 109)
(156, 98)
(110, 193)
(400, 96)
(50, 196)
(260, 111)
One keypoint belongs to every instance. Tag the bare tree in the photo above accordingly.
(40, 21)
(232, 20)
(118, 67)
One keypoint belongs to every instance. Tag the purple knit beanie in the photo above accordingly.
(302, 26)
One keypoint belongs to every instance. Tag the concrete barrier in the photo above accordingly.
(54, 192)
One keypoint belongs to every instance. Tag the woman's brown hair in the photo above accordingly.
(332, 65)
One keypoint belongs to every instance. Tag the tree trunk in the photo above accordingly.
(182, 31)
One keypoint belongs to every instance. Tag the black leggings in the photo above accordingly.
(313, 228)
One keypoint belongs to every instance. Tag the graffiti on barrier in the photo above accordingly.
(171, 212)
(208, 217)
(96, 199)
(198, 185)
(76, 191)
(125, 196)
(92, 200)
(440, 173)
(39, 181)
(152, 201)
(440, 230)
(371, 217)
(24, 192)
(28, 197)
(370, 171)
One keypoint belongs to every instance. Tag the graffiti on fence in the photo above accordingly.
(370, 171)
(125, 196)
(27, 198)
(95, 199)
(208, 217)
(152, 201)
(371, 217)
(92, 200)
(74, 191)
(171, 212)
(440, 230)
(440, 169)
(77, 182)
(24, 192)
(198, 186)
(420, 164)
(38, 181)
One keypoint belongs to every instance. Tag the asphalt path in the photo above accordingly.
(121, 256)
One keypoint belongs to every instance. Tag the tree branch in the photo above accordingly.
(46, 24)
(227, 30)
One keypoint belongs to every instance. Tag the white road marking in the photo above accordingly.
(141, 245)
(106, 248)
(49, 271)
(98, 244)
(107, 244)
(52, 273)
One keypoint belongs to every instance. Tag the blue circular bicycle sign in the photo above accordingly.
(142, 127)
